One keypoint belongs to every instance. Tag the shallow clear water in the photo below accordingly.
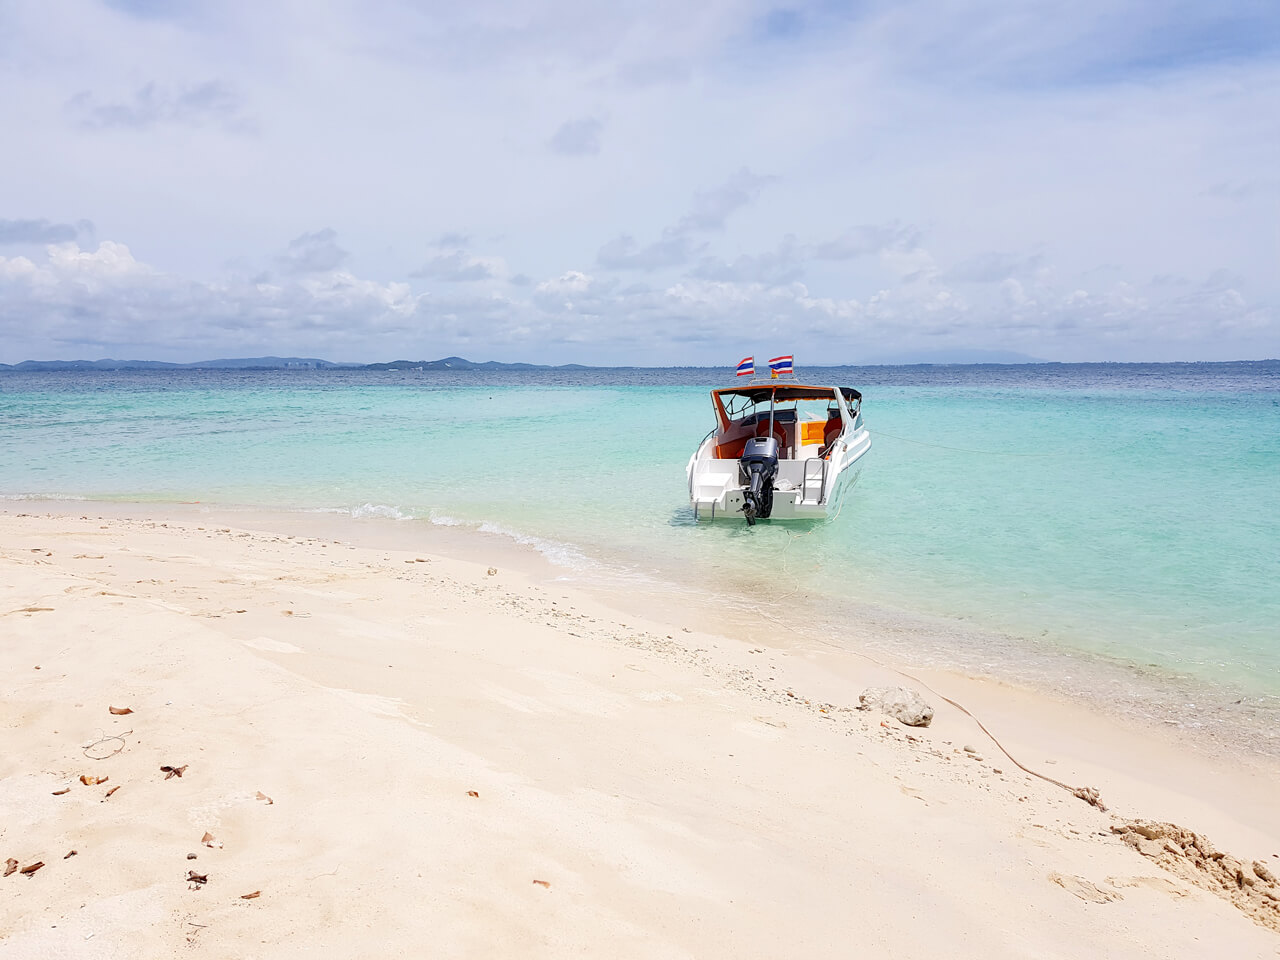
(1130, 511)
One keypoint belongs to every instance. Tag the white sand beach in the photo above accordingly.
(405, 753)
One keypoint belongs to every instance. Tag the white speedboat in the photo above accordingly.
(780, 450)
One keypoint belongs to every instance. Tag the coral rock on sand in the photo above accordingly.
(1250, 886)
(905, 706)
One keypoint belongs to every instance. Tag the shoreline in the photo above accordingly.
(1210, 716)
(448, 671)
(465, 544)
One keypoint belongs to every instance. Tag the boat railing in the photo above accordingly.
(693, 467)
(820, 477)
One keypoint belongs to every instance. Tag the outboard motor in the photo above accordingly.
(759, 465)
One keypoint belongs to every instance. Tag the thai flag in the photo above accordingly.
(747, 367)
(781, 364)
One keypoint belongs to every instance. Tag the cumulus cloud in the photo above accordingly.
(453, 239)
(576, 292)
(786, 263)
(41, 231)
(709, 212)
(315, 252)
(994, 267)
(153, 105)
(625, 253)
(864, 240)
(106, 297)
(578, 138)
(1014, 175)
(783, 265)
(712, 208)
(458, 267)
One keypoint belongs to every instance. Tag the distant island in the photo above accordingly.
(277, 363)
(447, 363)
(958, 358)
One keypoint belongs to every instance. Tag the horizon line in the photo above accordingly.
(318, 363)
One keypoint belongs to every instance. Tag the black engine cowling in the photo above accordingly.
(759, 465)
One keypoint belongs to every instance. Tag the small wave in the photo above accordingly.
(561, 554)
(444, 520)
(43, 496)
(380, 510)
(557, 552)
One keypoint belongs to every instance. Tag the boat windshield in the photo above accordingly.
(792, 401)
(741, 408)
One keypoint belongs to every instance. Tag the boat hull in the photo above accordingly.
(804, 490)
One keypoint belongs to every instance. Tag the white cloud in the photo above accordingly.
(315, 252)
(866, 239)
(41, 231)
(709, 212)
(624, 253)
(107, 300)
(578, 137)
(712, 208)
(461, 267)
(208, 102)
(1061, 179)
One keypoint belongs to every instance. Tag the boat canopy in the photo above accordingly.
(780, 393)
(773, 393)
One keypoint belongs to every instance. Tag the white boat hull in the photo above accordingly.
(809, 489)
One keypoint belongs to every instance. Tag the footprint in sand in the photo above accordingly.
(1085, 889)
(913, 793)
(1151, 883)
(762, 728)
(267, 645)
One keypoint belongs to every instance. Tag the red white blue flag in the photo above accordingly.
(747, 367)
(782, 364)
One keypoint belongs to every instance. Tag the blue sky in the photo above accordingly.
(652, 183)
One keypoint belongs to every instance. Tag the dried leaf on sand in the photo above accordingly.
(543, 883)
(263, 796)
(89, 781)
(120, 711)
(169, 771)
(10, 866)
(29, 870)
(251, 896)
(210, 841)
(58, 793)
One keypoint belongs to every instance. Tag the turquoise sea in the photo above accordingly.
(1052, 522)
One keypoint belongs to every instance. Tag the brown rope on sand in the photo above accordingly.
(1089, 795)
(106, 739)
